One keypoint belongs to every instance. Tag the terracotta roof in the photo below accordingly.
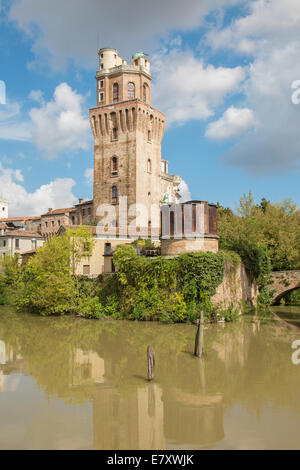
(22, 233)
(30, 252)
(19, 219)
(60, 211)
(84, 202)
(3, 225)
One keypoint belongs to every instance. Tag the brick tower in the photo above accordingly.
(128, 132)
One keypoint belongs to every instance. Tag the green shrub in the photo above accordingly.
(111, 308)
(90, 307)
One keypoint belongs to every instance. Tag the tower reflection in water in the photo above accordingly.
(156, 417)
(182, 408)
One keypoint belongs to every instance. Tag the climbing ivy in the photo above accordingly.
(166, 290)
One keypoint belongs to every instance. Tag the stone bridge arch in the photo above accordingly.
(284, 282)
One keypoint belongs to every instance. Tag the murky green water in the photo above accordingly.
(68, 383)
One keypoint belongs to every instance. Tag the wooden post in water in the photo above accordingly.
(151, 362)
(199, 340)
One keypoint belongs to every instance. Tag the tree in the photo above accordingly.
(246, 205)
(275, 226)
(263, 204)
(47, 285)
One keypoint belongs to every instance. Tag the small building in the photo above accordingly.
(29, 223)
(54, 219)
(100, 261)
(84, 212)
(3, 228)
(189, 227)
(19, 242)
(27, 256)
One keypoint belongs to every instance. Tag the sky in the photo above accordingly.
(225, 72)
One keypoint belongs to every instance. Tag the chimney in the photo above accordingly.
(80, 200)
(50, 210)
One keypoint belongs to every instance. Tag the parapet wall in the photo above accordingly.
(173, 247)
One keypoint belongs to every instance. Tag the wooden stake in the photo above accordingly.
(151, 362)
(199, 340)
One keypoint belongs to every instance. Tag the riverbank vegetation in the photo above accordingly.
(141, 289)
(266, 236)
(263, 237)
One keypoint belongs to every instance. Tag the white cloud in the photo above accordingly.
(184, 192)
(185, 88)
(269, 34)
(56, 194)
(60, 125)
(89, 176)
(235, 121)
(13, 125)
(36, 95)
(79, 30)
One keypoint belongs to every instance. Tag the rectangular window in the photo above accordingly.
(83, 212)
(33, 244)
(86, 270)
(101, 97)
(17, 243)
(107, 249)
(89, 211)
(4, 243)
(101, 84)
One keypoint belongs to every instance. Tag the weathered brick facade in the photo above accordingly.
(54, 219)
(128, 132)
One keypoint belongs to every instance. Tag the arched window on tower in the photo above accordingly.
(149, 166)
(145, 92)
(114, 166)
(115, 92)
(114, 134)
(131, 90)
(114, 194)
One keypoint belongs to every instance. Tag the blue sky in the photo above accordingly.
(222, 72)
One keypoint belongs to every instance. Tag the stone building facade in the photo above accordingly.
(19, 241)
(84, 212)
(54, 219)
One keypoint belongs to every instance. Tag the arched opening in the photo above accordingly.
(145, 92)
(172, 223)
(290, 297)
(115, 92)
(149, 166)
(131, 90)
(114, 166)
(114, 134)
(114, 193)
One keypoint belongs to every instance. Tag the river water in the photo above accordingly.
(70, 383)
